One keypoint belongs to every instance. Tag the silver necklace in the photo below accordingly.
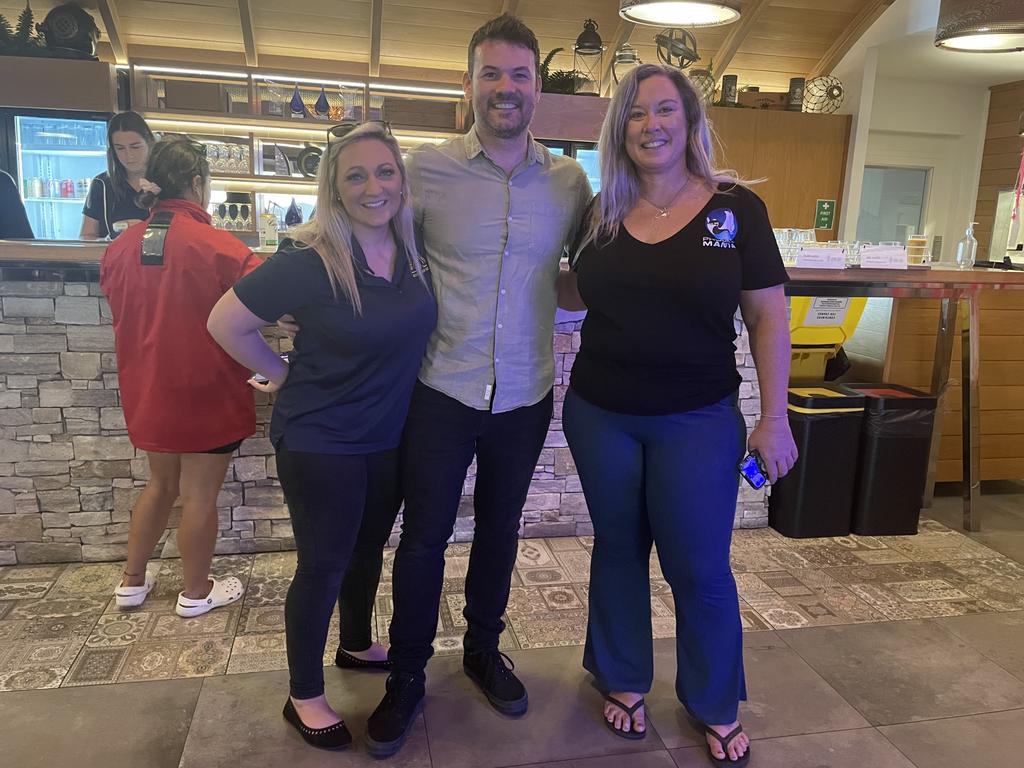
(663, 212)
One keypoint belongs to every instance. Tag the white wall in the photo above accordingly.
(920, 124)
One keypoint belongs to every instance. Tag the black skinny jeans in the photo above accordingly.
(342, 509)
(440, 439)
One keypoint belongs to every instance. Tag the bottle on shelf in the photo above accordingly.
(967, 249)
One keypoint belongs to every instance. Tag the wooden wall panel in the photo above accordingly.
(909, 362)
(1000, 160)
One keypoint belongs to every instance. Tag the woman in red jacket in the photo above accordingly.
(186, 403)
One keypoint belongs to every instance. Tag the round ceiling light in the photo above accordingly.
(680, 13)
(993, 26)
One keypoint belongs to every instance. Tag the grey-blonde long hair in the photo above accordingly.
(620, 183)
(329, 231)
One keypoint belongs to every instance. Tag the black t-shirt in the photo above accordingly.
(13, 219)
(351, 377)
(659, 333)
(107, 207)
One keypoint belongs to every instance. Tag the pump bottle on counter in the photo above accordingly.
(967, 249)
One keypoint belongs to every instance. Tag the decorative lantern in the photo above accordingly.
(588, 60)
(626, 58)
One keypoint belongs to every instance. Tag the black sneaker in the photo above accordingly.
(389, 724)
(502, 688)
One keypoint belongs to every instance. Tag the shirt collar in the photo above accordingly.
(471, 142)
(177, 205)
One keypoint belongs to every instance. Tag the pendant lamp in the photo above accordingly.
(680, 13)
(981, 26)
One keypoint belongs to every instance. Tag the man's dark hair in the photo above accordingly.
(509, 29)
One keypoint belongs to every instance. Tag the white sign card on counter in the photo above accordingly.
(821, 258)
(827, 310)
(883, 257)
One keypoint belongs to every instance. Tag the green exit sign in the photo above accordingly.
(824, 214)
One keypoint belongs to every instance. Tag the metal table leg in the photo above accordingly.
(940, 385)
(970, 354)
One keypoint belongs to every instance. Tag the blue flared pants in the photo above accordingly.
(671, 481)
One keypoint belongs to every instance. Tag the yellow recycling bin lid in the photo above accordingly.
(823, 398)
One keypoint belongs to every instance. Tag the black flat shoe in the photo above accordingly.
(346, 660)
(333, 737)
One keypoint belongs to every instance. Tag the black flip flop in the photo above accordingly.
(631, 734)
(724, 742)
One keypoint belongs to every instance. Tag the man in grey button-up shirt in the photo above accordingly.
(496, 209)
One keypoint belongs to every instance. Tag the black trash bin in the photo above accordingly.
(893, 458)
(816, 497)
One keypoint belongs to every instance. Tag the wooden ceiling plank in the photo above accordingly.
(862, 22)
(622, 35)
(248, 38)
(738, 32)
(376, 21)
(112, 23)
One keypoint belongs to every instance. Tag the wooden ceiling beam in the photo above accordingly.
(112, 23)
(376, 22)
(622, 34)
(854, 31)
(738, 32)
(510, 6)
(248, 36)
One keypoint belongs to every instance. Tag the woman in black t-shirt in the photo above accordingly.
(354, 282)
(110, 206)
(669, 251)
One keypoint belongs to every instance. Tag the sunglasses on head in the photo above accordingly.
(343, 129)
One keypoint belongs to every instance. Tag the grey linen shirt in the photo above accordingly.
(493, 243)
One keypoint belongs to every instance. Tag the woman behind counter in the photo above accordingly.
(671, 247)
(355, 284)
(185, 401)
(111, 206)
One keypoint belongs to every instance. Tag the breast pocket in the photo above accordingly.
(550, 224)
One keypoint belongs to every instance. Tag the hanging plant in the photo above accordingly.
(23, 39)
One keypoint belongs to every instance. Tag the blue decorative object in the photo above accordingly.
(322, 107)
(297, 107)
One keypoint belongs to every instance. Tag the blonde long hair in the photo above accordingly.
(620, 183)
(329, 231)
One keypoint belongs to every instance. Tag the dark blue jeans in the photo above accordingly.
(672, 481)
(441, 436)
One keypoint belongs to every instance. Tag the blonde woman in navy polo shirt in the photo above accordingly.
(670, 249)
(354, 281)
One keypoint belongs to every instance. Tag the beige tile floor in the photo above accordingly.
(861, 651)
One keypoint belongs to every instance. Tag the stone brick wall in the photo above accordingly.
(69, 474)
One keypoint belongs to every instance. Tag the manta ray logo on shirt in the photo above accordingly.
(721, 223)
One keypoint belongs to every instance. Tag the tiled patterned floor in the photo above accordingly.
(59, 626)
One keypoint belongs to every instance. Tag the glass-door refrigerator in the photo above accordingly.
(585, 154)
(54, 156)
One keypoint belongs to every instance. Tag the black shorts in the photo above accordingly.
(229, 448)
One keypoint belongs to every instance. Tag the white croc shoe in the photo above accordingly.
(133, 597)
(222, 593)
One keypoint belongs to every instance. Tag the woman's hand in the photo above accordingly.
(287, 324)
(265, 386)
(145, 185)
(773, 440)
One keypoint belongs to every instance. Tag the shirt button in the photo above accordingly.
(502, 291)
(500, 325)
(509, 219)
(505, 254)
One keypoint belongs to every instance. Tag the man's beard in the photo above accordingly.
(503, 129)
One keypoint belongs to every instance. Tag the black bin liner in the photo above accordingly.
(816, 498)
(893, 462)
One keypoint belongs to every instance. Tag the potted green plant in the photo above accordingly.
(559, 81)
(23, 39)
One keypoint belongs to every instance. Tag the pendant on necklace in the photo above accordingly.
(662, 213)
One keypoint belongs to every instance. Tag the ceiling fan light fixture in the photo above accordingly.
(993, 26)
(680, 13)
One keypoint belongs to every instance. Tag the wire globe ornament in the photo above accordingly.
(676, 47)
(823, 95)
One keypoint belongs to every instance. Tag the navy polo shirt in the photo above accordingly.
(351, 376)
